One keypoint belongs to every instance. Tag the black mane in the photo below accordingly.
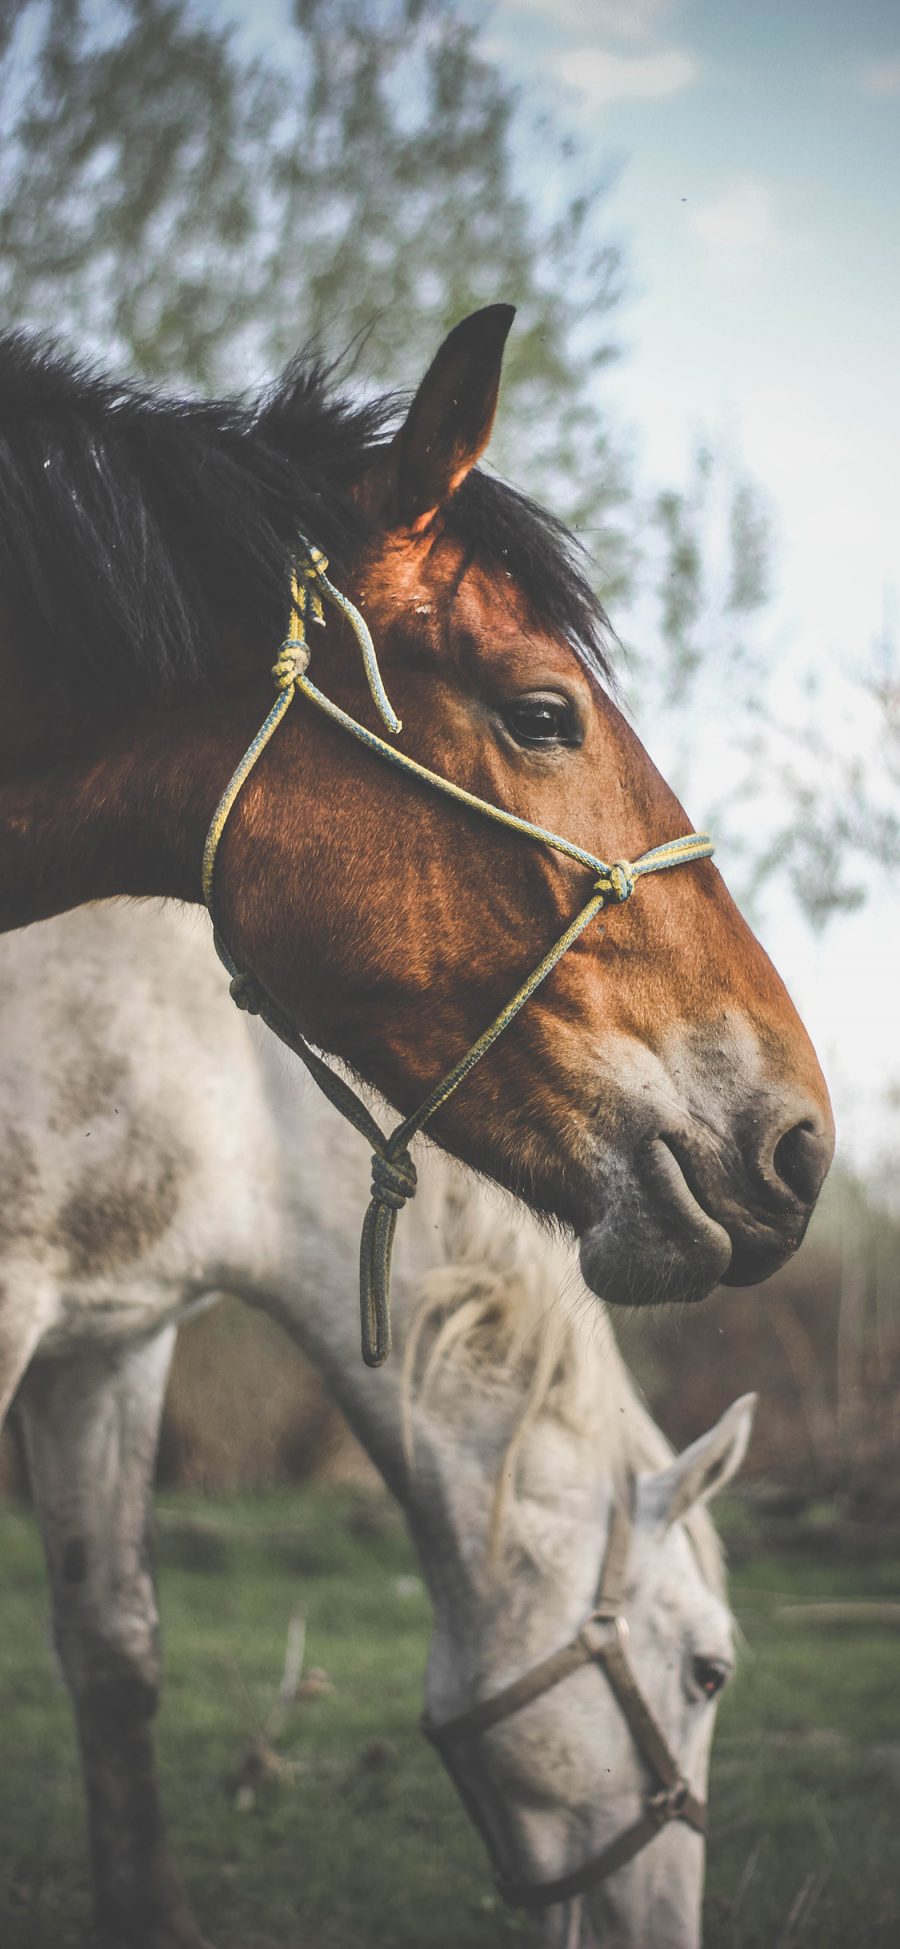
(132, 524)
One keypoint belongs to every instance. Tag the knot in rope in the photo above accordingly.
(306, 596)
(617, 882)
(316, 561)
(246, 992)
(393, 1180)
(291, 663)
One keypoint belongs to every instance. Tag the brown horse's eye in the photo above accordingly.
(709, 1675)
(541, 720)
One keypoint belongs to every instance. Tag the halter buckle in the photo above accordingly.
(603, 1629)
(668, 1804)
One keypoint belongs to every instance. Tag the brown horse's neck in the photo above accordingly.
(131, 819)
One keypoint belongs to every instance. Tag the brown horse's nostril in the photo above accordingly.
(801, 1159)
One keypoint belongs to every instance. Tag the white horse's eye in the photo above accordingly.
(709, 1675)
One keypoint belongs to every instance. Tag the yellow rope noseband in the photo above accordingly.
(393, 1171)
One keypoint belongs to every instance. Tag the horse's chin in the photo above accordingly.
(681, 1214)
(654, 1244)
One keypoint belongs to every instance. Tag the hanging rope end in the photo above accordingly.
(375, 1352)
(393, 1183)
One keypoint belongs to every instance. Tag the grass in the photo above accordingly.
(365, 1847)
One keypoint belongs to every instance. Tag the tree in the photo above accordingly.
(837, 777)
(807, 795)
(700, 666)
(189, 212)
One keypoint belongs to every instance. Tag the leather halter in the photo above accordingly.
(601, 1641)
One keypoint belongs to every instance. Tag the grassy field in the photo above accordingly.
(363, 1845)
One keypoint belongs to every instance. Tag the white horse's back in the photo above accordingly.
(139, 1142)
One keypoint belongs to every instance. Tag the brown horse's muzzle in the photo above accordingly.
(721, 1192)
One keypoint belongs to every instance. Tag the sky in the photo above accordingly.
(756, 152)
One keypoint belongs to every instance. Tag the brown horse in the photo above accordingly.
(659, 1093)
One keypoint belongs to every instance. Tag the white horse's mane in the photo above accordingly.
(507, 1310)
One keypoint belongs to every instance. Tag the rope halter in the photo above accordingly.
(393, 1172)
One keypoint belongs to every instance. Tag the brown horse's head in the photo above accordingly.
(659, 1093)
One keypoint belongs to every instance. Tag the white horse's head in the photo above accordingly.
(520, 1480)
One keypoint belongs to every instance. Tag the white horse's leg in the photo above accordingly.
(26, 1310)
(91, 1425)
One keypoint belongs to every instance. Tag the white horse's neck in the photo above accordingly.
(267, 1186)
(516, 1368)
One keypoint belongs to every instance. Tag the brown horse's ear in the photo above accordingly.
(449, 422)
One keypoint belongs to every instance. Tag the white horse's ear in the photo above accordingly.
(703, 1469)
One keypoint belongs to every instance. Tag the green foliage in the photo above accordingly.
(839, 833)
(362, 1844)
(700, 674)
(680, 589)
(751, 549)
(807, 791)
(129, 192)
(197, 215)
(815, 786)
(710, 544)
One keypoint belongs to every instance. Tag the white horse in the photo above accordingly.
(157, 1148)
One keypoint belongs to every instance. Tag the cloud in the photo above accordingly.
(609, 77)
(880, 77)
(741, 218)
(625, 20)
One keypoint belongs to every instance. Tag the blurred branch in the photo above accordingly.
(196, 214)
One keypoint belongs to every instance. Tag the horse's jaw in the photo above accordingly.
(657, 1900)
